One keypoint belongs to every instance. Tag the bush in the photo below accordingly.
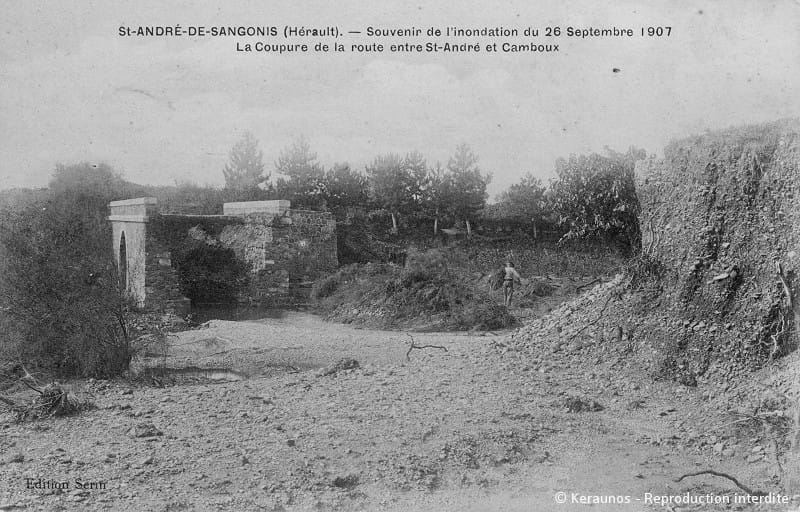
(59, 288)
(424, 294)
(358, 242)
(324, 288)
(483, 315)
(410, 278)
(432, 261)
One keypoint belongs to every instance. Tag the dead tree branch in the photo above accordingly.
(589, 324)
(788, 293)
(752, 492)
(24, 379)
(590, 283)
(420, 347)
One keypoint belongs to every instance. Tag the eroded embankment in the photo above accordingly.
(720, 248)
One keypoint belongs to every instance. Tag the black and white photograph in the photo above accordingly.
(434, 256)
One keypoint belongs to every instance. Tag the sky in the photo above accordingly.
(162, 110)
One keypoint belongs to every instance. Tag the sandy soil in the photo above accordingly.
(479, 427)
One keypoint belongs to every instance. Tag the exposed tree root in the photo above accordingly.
(752, 492)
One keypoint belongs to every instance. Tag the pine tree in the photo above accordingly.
(245, 170)
(468, 185)
(304, 182)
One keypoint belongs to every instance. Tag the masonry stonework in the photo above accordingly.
(284, 249)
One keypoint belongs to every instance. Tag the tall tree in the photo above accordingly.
(523, 202)
(436, 195)
(418, 176)
(468, 185)
(397, 184)
(345, 188)
(303, 178)
(595, 195)
(388, 180)
(245, 168)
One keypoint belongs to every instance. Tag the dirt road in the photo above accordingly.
(480, 426)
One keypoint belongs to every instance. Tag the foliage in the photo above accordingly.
(417, 178)
(358, 242)
(435, 195)
(465, 186)
(245, 169)
(324, 288)
(58, 283)
(423, 294)
(345, 189)
(595, 195)
(523, 202)
(302, 177)
(432, 261)
(396, 183)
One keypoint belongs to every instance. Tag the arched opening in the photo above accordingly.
(123, 262)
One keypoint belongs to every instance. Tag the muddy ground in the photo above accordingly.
(482, 426)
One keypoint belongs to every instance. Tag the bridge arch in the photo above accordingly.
(122, 258)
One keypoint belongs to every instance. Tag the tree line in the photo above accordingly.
(590, 195)
(401, 186)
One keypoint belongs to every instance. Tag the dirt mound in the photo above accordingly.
(422, 297)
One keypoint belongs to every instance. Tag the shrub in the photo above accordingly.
(59, 285)
(421, 295)
(324, 287)
(432, 261)
(483, 314)
(410, 278)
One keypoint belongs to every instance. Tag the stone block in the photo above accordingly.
(275, 207)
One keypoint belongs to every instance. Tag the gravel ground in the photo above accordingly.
(488, 424)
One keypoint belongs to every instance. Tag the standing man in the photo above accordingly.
(511, 275)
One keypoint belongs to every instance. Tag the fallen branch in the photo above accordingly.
(30, 386)
(736, 482)
(590, 283)
(786, 290)
(414, 345)
(589, 324)
(53, 401)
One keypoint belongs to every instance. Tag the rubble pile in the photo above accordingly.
(578, 323)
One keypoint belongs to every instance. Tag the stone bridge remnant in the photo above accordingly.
(283, 249)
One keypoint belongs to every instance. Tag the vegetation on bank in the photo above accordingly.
(426, 294)
(60, 298)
